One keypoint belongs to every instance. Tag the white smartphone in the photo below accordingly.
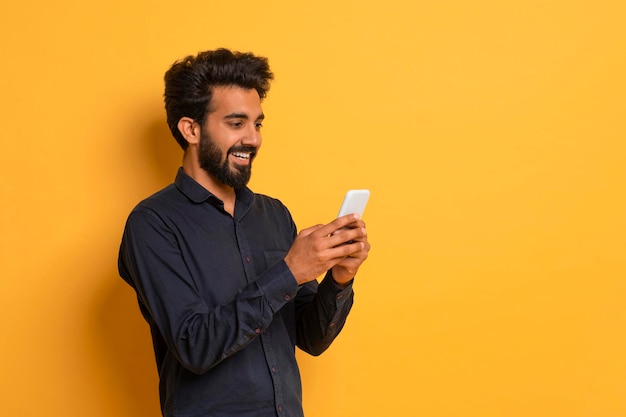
(354, 202)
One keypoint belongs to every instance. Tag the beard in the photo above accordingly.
(210, 158)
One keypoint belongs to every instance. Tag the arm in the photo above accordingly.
(322, 314)
(199, 335)
(341, 247)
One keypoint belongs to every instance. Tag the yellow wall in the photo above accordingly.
(491, 133)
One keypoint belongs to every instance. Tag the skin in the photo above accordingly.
(235, 120)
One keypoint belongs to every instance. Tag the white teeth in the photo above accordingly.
(241, 155)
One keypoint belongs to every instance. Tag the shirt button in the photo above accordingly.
(257, 331)
(340, 296)
(279, 408)
(274, 369)
(248, 259)
(332, 324)
(287, 297)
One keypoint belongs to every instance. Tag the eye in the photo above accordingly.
(236, 125)
(258, 125)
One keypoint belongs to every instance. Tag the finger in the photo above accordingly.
(357, 232)
(343, 236)
(354, 260)
(359, 251)
(355, 223)
(351, 264)
(309, 230)
(341, 252)
(337, 224)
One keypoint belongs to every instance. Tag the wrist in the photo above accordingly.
(341, 281)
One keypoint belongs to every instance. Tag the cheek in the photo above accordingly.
(223, 139)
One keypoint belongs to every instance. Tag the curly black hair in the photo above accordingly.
(189, 83)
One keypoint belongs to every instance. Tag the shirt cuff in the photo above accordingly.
(278, 285)
(333, 293)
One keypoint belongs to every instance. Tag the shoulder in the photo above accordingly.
(162, 203)
(268, 203)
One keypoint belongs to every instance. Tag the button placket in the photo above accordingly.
(245, 252)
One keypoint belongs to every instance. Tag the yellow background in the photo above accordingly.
(491, 134)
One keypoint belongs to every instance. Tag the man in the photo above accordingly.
(224, 280)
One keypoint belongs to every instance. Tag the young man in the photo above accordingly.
(224, 280)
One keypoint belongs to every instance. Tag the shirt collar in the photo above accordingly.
(198, 194)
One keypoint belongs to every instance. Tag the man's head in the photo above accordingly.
(190, 82)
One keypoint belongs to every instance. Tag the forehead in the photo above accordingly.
(233, 99)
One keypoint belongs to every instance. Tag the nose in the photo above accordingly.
(252, 137)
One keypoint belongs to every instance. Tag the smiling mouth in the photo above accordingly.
(242, 155)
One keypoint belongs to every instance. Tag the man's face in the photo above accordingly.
(231, 135)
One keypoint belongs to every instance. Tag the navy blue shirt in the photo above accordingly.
(224, 310)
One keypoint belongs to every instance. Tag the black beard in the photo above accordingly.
(210, 157)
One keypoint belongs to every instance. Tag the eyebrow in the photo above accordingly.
(243, 116)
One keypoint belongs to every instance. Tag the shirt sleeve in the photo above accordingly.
(321, 314)
(198, 335)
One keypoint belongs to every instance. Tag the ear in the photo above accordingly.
(190, 130)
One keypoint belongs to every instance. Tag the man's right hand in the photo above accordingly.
(318, 248)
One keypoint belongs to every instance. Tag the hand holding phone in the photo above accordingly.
(354, 202)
